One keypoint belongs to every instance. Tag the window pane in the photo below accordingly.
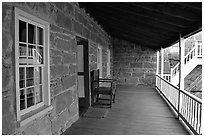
(21, 78)
(38, 94)
(38, 75)
(22, 99)
(31, 54)
(29, 76)
(30, 97)
(22, 31)
(31, 33)
(39, 55)
(40, 36)
(22, 54)
(22, 50)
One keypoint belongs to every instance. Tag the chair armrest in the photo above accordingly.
(107, 79)
(103, 81)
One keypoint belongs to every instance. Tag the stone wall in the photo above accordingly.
(66, 21)
(133, 64)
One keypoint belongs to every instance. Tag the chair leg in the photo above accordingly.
(97, 96)
(111, 97)
(114, 98)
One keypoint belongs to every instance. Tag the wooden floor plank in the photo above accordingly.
(137, 111)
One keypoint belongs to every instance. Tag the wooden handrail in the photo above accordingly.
(190, 110)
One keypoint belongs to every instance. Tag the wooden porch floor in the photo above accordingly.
(137, 111)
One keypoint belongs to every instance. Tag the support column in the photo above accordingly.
(157, 69)
(181, 56)
(162, 65)
(181, 74)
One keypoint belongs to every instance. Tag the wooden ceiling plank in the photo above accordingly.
(169, 10)
(131, 27)
(151, 15)
(110, 16)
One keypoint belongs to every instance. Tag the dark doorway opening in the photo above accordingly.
(83, 74)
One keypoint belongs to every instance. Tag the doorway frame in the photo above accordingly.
(84, 103)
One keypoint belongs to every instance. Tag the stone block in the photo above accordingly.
(6, 17)
(55, 86)
(68, 23)
(54, 52)
(41, 126)
(77, 27)
(63, 101)
(73, 45)
(139, 74)
(73, 109)
(56, 60)
(149, 65)
(6, 45)
(5, 78)
(68, 58)
(132, 80)
(85, 32)
(72, 69)
(8, 121)
(68, 81)
(62, 45)
(136, 65)
(70, 8)
(149, 74)
(80, 18)
(93, 36)
(58, 71)
(60, 18)
(126, 74)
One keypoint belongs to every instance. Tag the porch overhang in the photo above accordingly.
(151, 24)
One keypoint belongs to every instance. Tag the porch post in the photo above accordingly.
(157, 69)
(162, 65)
(181, 75)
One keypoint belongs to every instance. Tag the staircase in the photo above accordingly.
(192, 59)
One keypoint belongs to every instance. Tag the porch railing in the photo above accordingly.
(188, 106)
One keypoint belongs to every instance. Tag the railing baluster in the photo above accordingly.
(190, 106)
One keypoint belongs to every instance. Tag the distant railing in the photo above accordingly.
(188, 106)
(167, 77)
(191, 54)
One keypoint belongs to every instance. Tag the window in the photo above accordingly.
(32, 63)
(108, 62)
(99, 61)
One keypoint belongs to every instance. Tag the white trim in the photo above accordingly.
(21, 15)
(162, 64)
(17, 63)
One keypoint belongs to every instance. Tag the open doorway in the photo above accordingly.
(83, 74)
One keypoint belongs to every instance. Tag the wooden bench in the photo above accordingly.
(101, 86)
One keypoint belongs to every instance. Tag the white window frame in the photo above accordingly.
(108, 62)
(99, 61)
(21, 15)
